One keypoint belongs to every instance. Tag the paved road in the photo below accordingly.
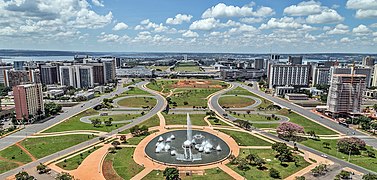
(161, 103)
(365, 137)
(214, 105)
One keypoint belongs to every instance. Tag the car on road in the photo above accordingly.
(83, 105)
(324, 156)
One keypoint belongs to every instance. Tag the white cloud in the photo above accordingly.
(179, 19)
(251, 20)
(190, 34)
(374, 25)
(98, 3)
(223, 10)
(364, 8)
(325, 17)
(361, 30)
(112, 38)
(283, 23)
(120, 26)
(304, 8)
(205, 24)
(339, 29)
(147, 24)
(345, 40)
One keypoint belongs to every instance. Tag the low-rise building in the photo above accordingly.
(296, 97)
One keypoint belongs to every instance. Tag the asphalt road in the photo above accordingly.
(214, 105)
(29, 130)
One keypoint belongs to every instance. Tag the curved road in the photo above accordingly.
(214, 105)
(29, 130)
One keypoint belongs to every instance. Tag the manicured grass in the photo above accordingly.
(306, 123)
(219, 123)
(74, 123)
(123, 163)
(6, 166)
(254, 173)
(14, 153)
(159, 85)
(44, 146)
(273, 126)
(151, 122)
(162, 68)
(192, 96)
(242, 91)
(235, 101)
(135, 140)
(134, 81)
(245, 139)
(253, 117)
(362, 160)
(187, 68)
(117, 117)
(135, 91)
(138, 102)
(75, 161)
(214, 173)
(174, 119)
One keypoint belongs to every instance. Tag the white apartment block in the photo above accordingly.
(288, 75)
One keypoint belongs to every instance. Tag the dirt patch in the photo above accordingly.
(11, 161)
(26, 151)
(195, 84)
(108, 170)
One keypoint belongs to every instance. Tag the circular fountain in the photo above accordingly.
(187, 147)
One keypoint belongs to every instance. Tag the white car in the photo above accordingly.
(324, 155)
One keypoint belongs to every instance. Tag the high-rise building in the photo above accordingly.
(84, 76)
(109, 70)
(288, 75)
(368, 61)
(259, 63)
(321, 75)
(67, 76)
(295, 59)
(118, 62)
(345, 94)
(14, 78)
(275, 57)
(98, 73)
(18, 65)
(2, 73)
(357, 70)
(49, 74)
(28, 100)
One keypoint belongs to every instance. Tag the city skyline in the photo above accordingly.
(210, 26)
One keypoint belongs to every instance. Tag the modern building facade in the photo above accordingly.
(3, 69)
(288, 75)
(49, 74)
(18, 65)
(321, 76)
(109, 70)
(368, 61)
(367, 71)
(345, 94)
(67, 76)
(14, 78)
(28, 100)
(259, 63)
(84, 76)
(295, 59)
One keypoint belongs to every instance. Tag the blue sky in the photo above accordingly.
(240, 26)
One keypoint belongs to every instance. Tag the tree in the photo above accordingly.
(111, 150)
(284, 153)
(274, 173)
(326, 144)
(259, 162)
(300, 178)
(96, 122)
(64, 176)
(109, 122)
(370, 176)
(115, 144)
(52, 108)
(319, 170)
(171, 173)
(373, 126)
(242, 164)
(41, 168)
(123, 138)
(343, 175)
(243, 124)
(351, 145)
(289, 129)
(24, 176)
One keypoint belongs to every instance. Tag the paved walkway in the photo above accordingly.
(230, 171)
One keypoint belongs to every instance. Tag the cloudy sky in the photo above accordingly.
(259, 26)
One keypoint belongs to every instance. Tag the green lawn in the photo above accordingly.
(14, 153)
(74, 123)
(138, 102)
(193, 97)
(135, 140)
(235, 101)
(273, 126)
(117, 117)
(6, 166)
(362, 160)
(174, 119)
(245, 139)
(151, 122)
(254, 173)
(44, 146)
(159, 85)
(220, 123)
(214, 173)
(123, 163)
(242, 91)
(135, 91)
(306, 123)
(136, 80)
(187, 68)
(162, 68)
(75, 161)
(253, 117)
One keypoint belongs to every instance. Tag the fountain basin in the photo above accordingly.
(209, 154)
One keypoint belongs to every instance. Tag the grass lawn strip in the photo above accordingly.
(180, 119)
(151, 122)
(44, 146)
(362, 160)
(123, 163)
(193, 96)
(235, 101)
(74, 123)
(6, 166)
(246, 139)
(75, 161)
(254, 173)
(214, 173)
(138, 102)
(14, 153)
(117, 117)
